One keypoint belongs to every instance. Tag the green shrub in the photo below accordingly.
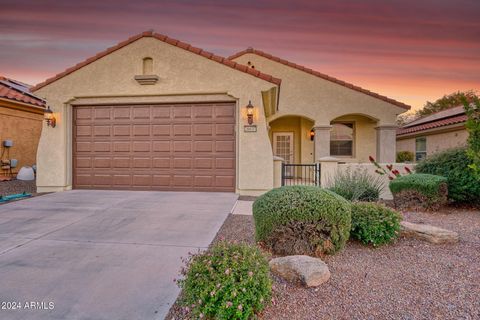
(374, 224)
(453, 164)
(357, 185)
(405, 156)
(419, 190)
(229, 281)
(302, 220)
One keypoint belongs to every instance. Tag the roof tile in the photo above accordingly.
(432, 125)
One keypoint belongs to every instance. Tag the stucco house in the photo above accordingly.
(21, 116)
(436, 132)
(155, 113)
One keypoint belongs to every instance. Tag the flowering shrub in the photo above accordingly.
(229, 281)
(374, 224)
(391, 173)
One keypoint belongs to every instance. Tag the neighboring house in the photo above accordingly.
(21, 116)
(436, 132)
(154, 113)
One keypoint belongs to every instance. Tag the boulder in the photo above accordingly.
(310, 272)
(428, 233)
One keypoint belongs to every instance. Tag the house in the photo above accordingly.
(155, 113)
(21, 116)
(433, 133)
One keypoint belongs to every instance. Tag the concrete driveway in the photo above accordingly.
(102, 254)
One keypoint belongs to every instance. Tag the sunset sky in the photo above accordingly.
(409, 50)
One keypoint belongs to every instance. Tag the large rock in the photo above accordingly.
(429, 233)
(310, 272)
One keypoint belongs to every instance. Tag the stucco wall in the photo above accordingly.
(318, 99)
(182, 74)
(24, 128)
(436, 141)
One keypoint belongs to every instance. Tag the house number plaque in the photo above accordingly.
(250, 128)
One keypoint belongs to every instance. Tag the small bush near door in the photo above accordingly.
(374, 224)
(404, 156)
(302, 220)
(229, 281)
(357, 185)
(463, 187)
(422, 191)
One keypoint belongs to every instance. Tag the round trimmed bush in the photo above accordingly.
(302, 220)
(419, 190)
(405, 156)
(374, 224)
(452, 164)
(229, 281)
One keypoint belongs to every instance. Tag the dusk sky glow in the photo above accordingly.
(409, 50)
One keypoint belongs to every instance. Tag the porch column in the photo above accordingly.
(322, 142)
(386, 143)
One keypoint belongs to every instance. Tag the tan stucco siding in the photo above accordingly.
(181, 74)
(436, 141)
(24, 128)
(318, 99)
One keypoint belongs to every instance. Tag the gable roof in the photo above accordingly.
(439, 119)
(20, 92)
(320, 75)
(171, 41)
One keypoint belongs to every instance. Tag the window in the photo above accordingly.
(341, 139)
(420, 148)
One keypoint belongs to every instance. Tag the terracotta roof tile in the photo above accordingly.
(163, 38)
(17, 91)
(320, 75)
(432, 125)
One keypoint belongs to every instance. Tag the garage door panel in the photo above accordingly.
(162, 130)
(161, 146)
(121, 146)
(156, 147)
(141, 130)
(121, 130)
(102, 113)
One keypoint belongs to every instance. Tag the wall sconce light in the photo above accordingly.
(312, 135)
(49, 117)
(250, 113)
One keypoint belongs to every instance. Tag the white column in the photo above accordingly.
(322, 142)
(386, 143)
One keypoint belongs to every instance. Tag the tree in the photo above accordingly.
(472, 110)
(447, 101)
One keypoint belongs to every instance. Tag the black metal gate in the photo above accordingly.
(300, 174)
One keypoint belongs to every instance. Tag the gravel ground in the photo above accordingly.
(17, 186)
(409, 279)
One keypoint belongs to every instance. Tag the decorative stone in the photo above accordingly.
(428, 233)
(26, 173)
(147, 79)
(311, 272)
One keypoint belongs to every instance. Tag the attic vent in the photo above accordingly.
(147, 76)
(147, 66)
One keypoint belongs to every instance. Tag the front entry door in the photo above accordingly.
(283, 148)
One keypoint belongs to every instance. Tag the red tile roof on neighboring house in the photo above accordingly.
(17, 91)
(440, 119)
(320, 75)
(168, 40)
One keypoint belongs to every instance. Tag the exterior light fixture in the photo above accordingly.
(312, 135)
(250, 113)
(49, 117)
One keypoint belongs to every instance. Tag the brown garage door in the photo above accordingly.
(155, 147)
